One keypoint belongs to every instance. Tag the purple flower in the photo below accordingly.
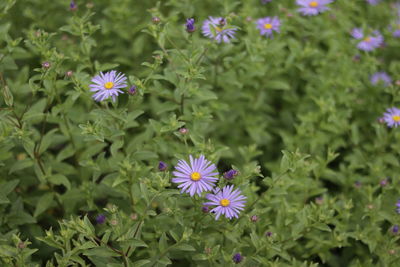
(373, 2)
(369, 42)
(267, 25)
(190, 25)
(381, 76)
(196, 177)
(217, 29)
(392, 119)
(395, 229)
(100, 219)
(229, 175)
(46, 64)
(312, 7)
(237, 258)
(162, 166)
(228, 202)
(107, 85)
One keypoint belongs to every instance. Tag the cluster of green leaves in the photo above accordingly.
(296, 115)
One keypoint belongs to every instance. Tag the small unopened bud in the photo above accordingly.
(268, 234)
(205, 209)
(89, 5)
(222, 22)
(114, 222)
(384, 182)
(21, 245)
(190, 25)
(395, 229)
(392, 251)
(133, 216)
(156, 20)
(207, 251)
(229, 175)
(254, 218)
(237, 258)
(183, 130)
(46, 64)
(100, 219)
(132, 90)
(73, 6)
(357, 184)
(397, 82)
(69, 73)
(319, 200)
(162, 166)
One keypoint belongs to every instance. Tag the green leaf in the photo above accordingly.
(43, 204)
(59, 179)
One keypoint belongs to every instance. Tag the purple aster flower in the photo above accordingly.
(107, 85)
(237, 258)
(190, 25)
(373, 2)
(228, 202)
(229, 175)
(196, 177)
(100, 219)
(162, 166)
(312, 7)
(392, 119)
(267, 25)
(369, 42)
(381, 76)
(217, 29)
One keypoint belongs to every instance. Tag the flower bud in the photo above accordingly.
(229, 175)
(190, 25)
(237, 258)
(162, 166)
(156, 20)
(132, 90)
(46, 64)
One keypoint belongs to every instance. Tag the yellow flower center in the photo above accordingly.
(313, 4)
(218, 29)
(195, 176)
(396, 117)
(367, 39)
(109, 85)
(268, 26)
(224, 202)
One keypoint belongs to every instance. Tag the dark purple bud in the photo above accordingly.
(395, 229)
(162, 166)
(254, 218)
(73, 6)
(357, 184)
(100, 219)
(156, 20)
(222, 22)
(265, 1)
(229, 175)
(205, 209)
(356, 58)
(46, 64)
(183, 130)
(237, 258)
(132, 90)
(190, 25)
(268, 234)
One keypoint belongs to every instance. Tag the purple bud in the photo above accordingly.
(254, 218)
(357, 184)
(156, 20)
(229, 175)
(395, 229)
(132, 90)
(162, 166)
(46, 65)
(183, 130)
(21, 245)
(384, 182)
(73, 6)
(237, 258)
(222, 22)
(265, 1)
(319, 200)
(205, 209)
(100, 219)
(269, 234)
(190, 25)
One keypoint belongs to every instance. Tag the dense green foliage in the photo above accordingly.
(296, 115)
